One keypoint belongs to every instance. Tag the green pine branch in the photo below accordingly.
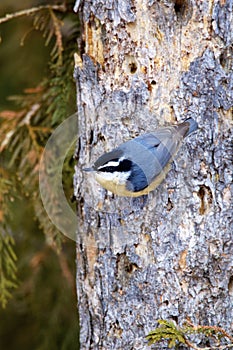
(175, 335)
(25, 131)
(8, 279)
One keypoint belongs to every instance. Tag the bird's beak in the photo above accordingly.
(88, 169)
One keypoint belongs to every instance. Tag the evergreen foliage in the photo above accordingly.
(177, 336)
(25, 130)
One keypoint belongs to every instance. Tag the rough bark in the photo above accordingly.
(142, 64)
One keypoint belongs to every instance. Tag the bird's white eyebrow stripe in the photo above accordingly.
(111, 163)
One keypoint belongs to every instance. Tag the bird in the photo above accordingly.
(136, 167)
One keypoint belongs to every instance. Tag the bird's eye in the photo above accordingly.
(107, 169)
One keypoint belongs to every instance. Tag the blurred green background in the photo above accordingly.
(42, 313)
(23, 55)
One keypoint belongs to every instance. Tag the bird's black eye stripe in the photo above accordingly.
(108, 169)
(125, 165)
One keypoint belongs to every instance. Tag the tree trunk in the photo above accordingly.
(145, 64)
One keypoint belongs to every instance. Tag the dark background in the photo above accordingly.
(42, 313)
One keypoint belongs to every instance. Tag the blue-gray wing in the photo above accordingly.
(151, 153)
(162, 144)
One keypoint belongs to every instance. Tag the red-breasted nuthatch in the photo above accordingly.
(138, 166)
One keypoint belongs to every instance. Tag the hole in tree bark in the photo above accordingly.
(91, 137)
(130, 64)
(179, 6)
(169, 204)
(206, 199)
(226, 59)
(175, 318)
(125, 268)
(133, 67)
(230, 285)
(183, 10)
(100, 137)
